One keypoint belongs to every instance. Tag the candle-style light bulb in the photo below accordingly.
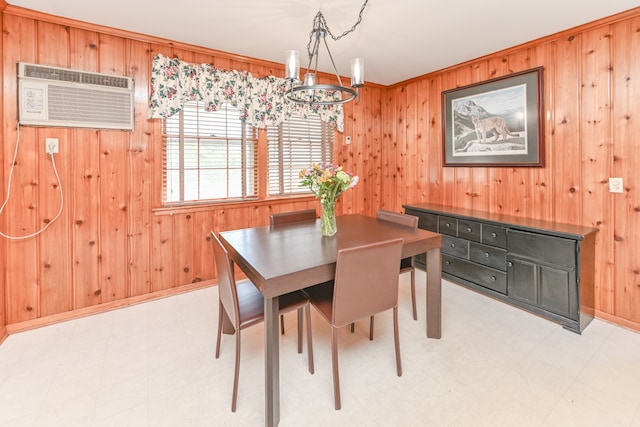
(292, 65)
(357, 72)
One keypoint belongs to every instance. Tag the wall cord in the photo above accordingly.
(55, 170)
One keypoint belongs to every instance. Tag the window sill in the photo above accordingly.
(203, 207)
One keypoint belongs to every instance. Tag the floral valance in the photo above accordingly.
(261, 101)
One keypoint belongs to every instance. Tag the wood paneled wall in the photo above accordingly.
(592, 124)
(114, 244)
(3, 249)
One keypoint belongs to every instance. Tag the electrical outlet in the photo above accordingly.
(615, 185)
(348, 140)
(51, 145)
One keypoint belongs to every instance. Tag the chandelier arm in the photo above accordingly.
(313, 54)
(332, 63)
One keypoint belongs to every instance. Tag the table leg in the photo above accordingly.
(434, 294)
(272, 361)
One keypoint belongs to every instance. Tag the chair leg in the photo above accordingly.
(397, 340)
(371, 329)
(236, 373)
(282, 324)
(307, 311)
(220, 308)
(334, 365)
(299, 330)
(413, 293)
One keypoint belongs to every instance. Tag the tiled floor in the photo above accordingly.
(153, 365)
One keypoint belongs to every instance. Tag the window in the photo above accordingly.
(209, 155)
(294, 145)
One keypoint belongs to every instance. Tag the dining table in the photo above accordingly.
(285, 258)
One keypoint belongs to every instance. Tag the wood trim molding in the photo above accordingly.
(102, 308)
(618, 321)
(3, 334)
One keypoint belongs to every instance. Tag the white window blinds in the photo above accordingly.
(209, 155)
(294, 145)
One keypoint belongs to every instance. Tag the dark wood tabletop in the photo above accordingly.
(289, 257)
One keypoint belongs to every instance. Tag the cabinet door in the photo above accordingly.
(522, 282)
(551, 288)
(558, 291)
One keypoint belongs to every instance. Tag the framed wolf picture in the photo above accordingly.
(498, 122)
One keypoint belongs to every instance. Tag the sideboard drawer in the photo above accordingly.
(494, 236)
(455, 246)
(447, 225)
(426, 221)
(469, 230)
(484, 276)
(549, 249)
(488, 255)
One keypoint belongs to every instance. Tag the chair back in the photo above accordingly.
(226, 281)
(398, 218)
(366, 280)
(291, 217)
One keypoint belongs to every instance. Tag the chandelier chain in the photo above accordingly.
(320, 24)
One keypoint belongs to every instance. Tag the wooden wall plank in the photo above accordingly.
(448, 177)
(20, 215)
(596, 152)
(3, 243)
(114, 186)
(183, 249)
(54, 247)
(625, 163)
(566, 150)
(435, 173)
(85, 199)
(162, 253)
(85, 204)
(140, 172)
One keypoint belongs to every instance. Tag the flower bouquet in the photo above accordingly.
(327, 182)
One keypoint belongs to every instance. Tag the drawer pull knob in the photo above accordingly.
(447, 225)
(453, 245)
(510, 264)
(486, 254)
(494, 235)
(468, 229)
(448, 262)
(493, 278)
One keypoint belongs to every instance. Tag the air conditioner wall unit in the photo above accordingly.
(60, 97)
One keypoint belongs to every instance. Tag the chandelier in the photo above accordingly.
(309, 91)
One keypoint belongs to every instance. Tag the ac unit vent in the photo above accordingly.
(51, 96)
(65, 75)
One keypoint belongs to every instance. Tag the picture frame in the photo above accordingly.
(496, 123)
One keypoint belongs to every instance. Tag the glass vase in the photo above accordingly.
(328, 218)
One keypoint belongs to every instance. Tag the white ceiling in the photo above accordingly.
(398, 39)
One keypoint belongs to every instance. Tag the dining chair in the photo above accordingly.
(406, 265)
(289, 218)
(244, 305)
(366, 283)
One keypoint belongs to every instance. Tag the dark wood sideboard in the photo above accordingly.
(544, 267)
